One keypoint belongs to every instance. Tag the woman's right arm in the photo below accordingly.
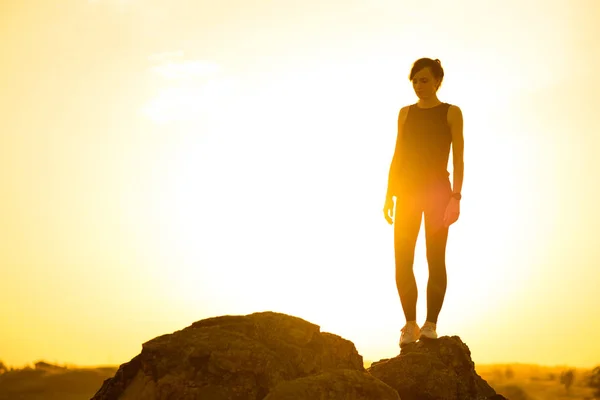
(393, 177)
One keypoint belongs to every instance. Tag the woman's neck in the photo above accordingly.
(428, 103)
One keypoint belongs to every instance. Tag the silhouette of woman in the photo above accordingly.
(419, 181)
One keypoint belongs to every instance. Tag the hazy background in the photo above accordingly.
(162, 162)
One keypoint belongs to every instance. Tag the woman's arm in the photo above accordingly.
(455, 120)
(393, 174)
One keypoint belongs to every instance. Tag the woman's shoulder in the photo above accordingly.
(454, 114)
(453, 109)
(452, 106)
(404, 111)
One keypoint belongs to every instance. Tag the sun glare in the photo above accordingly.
(294, 215)
(196, 159)
(188, 89)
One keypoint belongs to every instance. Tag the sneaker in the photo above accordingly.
(410, 333)
(428, 331)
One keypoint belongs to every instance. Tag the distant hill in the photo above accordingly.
(52, 382)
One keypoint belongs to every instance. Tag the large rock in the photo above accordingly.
(265, 355)
(344, 384)
(439, 369)
(271, 356)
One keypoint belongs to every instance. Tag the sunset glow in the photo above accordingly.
(165, 162)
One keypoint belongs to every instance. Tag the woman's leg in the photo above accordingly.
(436, 236)
(407, 222)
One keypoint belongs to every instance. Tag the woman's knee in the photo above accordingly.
(437, 272)
(436, 259)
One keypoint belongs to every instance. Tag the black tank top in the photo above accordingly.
(426, 140)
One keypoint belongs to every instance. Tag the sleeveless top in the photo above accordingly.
(425, 150)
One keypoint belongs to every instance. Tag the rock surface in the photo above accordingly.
(259, 356)
(432, 370)
(272, 356)
(337, 384)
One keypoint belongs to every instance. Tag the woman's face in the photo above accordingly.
(424, 84)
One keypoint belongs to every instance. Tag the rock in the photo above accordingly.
(258, 356)
(337, 384)
(272, 356)
(439, 369)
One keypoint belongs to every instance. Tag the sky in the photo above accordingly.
(162, 162)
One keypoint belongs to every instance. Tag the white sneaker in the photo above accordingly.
(410, 333)
(428, 331)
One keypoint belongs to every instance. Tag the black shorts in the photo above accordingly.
(430, 200)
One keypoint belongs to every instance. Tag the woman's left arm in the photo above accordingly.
(455, 120)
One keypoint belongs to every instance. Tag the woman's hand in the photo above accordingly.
(452, 212)
(388, 209)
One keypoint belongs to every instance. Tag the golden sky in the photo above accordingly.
(162, 162)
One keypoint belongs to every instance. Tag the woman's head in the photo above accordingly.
(426, 76)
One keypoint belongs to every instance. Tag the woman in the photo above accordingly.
(419, 181)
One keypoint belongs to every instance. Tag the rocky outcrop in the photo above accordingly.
(434, 369)
(272, 356)
(266, 355)
(334, 385)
